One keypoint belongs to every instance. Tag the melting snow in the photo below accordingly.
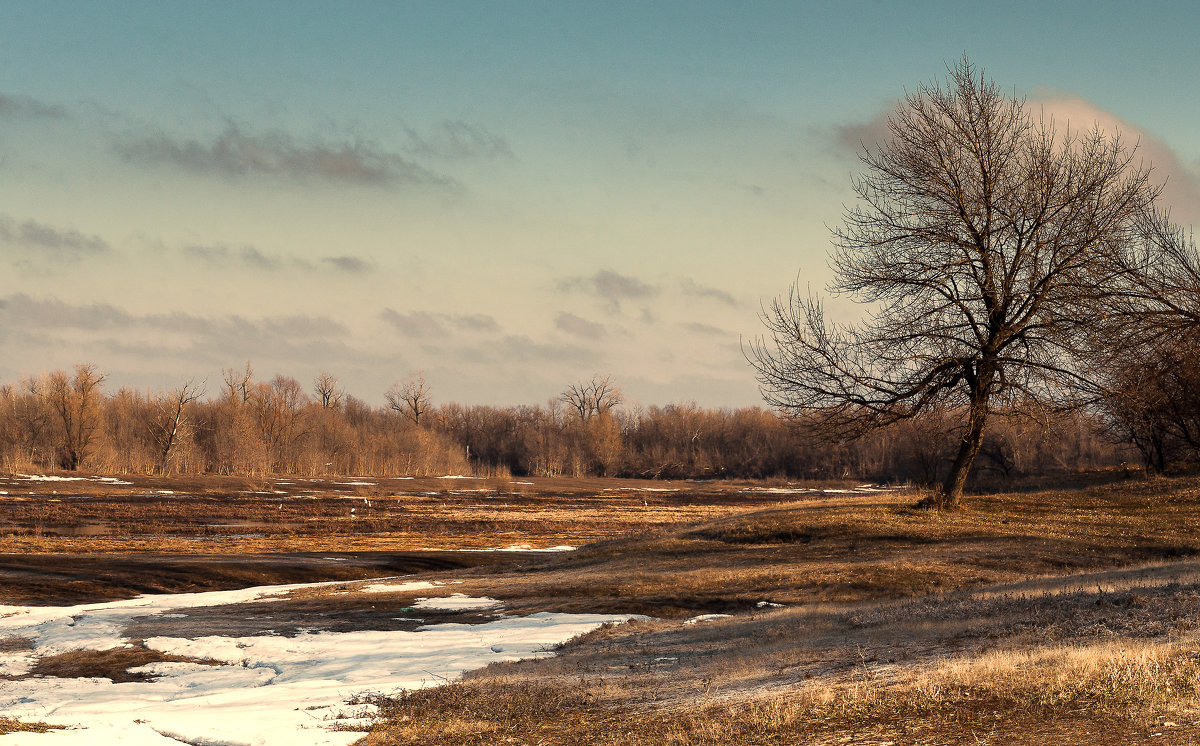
(268, 690)
(707, 618)
(457, 602)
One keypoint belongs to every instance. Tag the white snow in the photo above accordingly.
(268, 690)
(458, 476)
(706, 618)
(457, 602)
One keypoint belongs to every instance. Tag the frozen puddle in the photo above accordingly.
(266, 689)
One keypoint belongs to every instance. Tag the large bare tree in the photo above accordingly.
(982, 248)
(592, 398)
(410, 398)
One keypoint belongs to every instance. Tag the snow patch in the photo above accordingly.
(457, 602)
(268, 690)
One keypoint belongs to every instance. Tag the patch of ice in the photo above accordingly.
(458, 476)
(768, 605)
(356, 484)
(268, 690)
(706, 618)
(457, 602)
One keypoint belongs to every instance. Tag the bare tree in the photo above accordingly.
(410, 398)
(75, 399)
(983, 244)
(238, 383)
(168, 418)
(592, 398)
(329, 392)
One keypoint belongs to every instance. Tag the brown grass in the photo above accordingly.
(8, 725)
(112, 664)
(1009, 621)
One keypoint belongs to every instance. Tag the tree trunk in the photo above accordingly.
(952, 489)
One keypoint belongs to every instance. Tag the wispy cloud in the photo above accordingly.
(870, 134)
(693, 289)
(249, 257)
(708, 330)
(54, 314)
(235, 153)
(458, 140)
(59, 244)
(16, 105)
(346, 263)
(425, 324)
(610, 286)
(578, 326)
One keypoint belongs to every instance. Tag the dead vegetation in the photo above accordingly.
(1017, 620)
(119, 665)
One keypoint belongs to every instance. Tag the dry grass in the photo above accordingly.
(1008, 622)
(8, 725)
(231, 516)
(113, 664)
(1065, 615)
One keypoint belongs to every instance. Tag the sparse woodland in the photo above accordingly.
(69, 420)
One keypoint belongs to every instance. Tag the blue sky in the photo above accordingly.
(508, 196)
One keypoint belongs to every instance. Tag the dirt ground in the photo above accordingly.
(1041, 615)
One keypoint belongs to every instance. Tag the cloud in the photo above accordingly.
(259, 260)
(693, 289)
(235, 153)
(1182, 190)
(16, 105)
(872, 133)
(59, 244)
(247, 256)
(1069, 111)
(578, 326)
(256, 259)
(457, 140)
(705, 329)
(351, 264)
(523, 349)
(610, 286)
(54, 314)
(425, 324)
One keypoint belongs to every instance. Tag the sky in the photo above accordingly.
(508, 197)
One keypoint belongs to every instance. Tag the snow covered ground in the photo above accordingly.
(266, 689)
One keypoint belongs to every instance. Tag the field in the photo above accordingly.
(775, 613)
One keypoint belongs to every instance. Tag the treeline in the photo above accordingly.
(65, 420)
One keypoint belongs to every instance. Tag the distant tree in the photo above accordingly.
(238, 383)
(328, 391)
(168, 418)
(410, 398)
(75, 399)
(983, 245)
(278, 409)
(592, 398)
